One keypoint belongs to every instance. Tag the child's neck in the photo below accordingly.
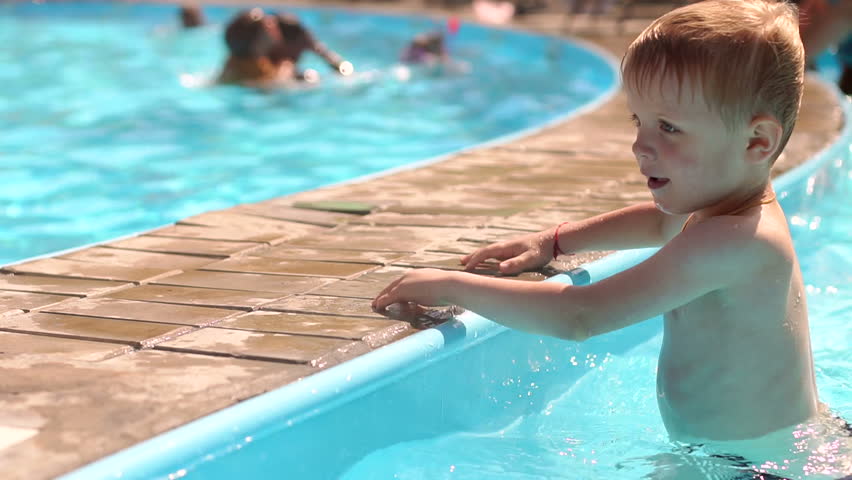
(761, 196)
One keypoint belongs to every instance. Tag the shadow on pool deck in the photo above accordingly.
(105, 347)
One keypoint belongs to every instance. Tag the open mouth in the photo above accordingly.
(657, 182)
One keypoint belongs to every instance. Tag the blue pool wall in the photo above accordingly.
(416, 388)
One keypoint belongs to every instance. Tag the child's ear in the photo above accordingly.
(765, 134)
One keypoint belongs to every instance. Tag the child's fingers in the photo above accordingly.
(386, 297)
(381, 302)
(518, 264)
(497, 251)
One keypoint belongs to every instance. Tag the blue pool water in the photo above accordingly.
(472, 400)
(106, 130)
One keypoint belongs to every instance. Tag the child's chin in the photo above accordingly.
(667, 209)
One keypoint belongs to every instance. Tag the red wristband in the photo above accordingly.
(556, 250)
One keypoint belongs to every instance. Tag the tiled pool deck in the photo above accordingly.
(105, 347)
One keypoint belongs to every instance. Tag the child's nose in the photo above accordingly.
(642, 151)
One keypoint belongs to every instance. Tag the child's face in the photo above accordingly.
(692, 159)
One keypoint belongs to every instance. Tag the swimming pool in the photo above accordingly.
(473, 400)
(107, 131)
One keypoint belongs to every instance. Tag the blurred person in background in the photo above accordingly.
(191, 15)
(251, 36)
(827, 23)
(297, 39)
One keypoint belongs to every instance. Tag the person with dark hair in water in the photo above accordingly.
(191, 15)
(296, 39)
(426, 48)
(429, 52)
(251, 36)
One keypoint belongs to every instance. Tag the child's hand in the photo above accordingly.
(426, 286)
(523, 253)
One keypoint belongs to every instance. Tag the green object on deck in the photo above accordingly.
(341, 206)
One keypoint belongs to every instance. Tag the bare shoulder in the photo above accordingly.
(756, 240)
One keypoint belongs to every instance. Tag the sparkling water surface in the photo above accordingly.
(110, 126)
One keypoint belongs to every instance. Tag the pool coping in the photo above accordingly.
(224, 376)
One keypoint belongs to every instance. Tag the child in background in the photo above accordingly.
(425, 49)
(713, 90)
(429, 51)
(250, 37)
(827, 23)
(191, 16)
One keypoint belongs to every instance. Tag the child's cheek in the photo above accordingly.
(678, 150)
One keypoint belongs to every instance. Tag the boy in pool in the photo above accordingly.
(251, 36)
(714, 90)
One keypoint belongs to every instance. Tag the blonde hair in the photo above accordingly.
(745, 55)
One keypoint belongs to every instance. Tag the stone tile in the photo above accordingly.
(116, 403)
(274, 266)
(625, 196)
(205, 297)
(136, 258)
(63, 267)
(421, 220)
(280, 209)
(143, 311)
(177, 362)
(22, 346)
(219, 233)
(537, 220)
(288, 252)
(58, 285)
(252, 282)
(365, 286)
(458, 248)
(444, 261)
(466, 204)
(352, 328)
(252, 223)
(16, 302)
(516, 192)
(489, 235)
(135, 333)
(351, 307)
(187, 246)
(314, 351)
(450, 261)
(362, 237)
(10, 435)
(599, 204)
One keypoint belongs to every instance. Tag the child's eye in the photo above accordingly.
(667, 127)
(634, 120)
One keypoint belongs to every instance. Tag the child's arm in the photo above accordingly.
(707, 257)
(636, 226)
(333, 60)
